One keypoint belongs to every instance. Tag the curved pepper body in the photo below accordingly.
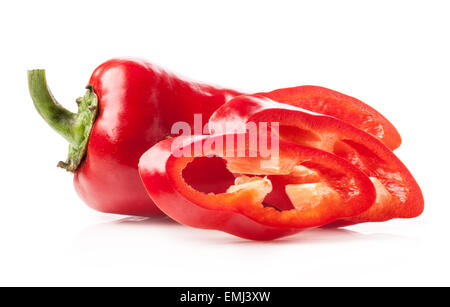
(138, 103)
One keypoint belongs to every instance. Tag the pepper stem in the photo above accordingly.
(74, 127)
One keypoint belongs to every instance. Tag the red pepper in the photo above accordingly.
(351, 110)
(137, 103)
(398, 195)
(339, 189)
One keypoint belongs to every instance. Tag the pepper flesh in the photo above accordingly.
(240, 209)
(404, 199)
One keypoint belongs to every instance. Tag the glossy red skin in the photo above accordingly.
(166, 186)
(138, 103)
(245, 109)
(349, 109)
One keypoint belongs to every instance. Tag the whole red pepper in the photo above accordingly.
(338, 189)
(398, 195)
(130, 105)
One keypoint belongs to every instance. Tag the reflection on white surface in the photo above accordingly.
(178, 254)
(141, 230)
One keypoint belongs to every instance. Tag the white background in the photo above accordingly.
(394, 55)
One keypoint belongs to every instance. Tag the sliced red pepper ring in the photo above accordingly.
(398, 195)
(336, 190)
(349, 109)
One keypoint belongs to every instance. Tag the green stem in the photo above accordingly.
(74, 127)
(58, 117)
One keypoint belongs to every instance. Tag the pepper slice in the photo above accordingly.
(339, 190)
(398, 195)
(349, 109)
